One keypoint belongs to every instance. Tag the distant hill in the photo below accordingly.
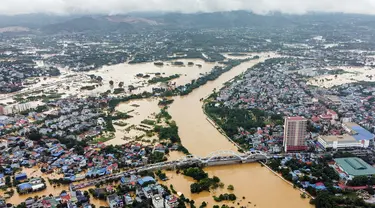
(86, 23)
(221, 19)
(32, 20)
(135, 21)
(14, 29)
(169, 20)
(132, 20)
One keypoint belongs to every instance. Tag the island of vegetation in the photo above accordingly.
(163, 79)
(158, 63)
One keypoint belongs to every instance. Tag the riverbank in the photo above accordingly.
(221, 130)
(286, 181)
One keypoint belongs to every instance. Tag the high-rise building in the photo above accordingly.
(295, 133)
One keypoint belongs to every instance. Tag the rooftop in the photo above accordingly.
(355, 166)
(359, 132)
(146, 180)
(333, 98)
(297, 118)
(339, 138)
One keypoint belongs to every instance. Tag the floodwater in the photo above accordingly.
(257, 184)
(55, 190)
(351, 75)
(175, 155)
(140, 110)
(260, 187)
(51, 189)
(197, 134)
(96, 202)
(127, 73)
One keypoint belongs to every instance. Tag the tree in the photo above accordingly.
(358, 181)
(216, 179)
(131, 88)
(324, 200)
(204, 204)
(370, 190)
(34, 135)
(230, 187)
(121, 84)
(196, 173)
(156, 157)
(8, 181)
(111, 82)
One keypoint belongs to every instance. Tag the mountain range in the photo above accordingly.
(82, 23)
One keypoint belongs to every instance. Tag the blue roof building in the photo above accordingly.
(362, 134)
(20, 176)
(24, 187)
(358, 132)
(147, 179)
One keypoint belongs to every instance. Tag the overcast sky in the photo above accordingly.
(124, 6)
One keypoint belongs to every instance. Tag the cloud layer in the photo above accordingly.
(11, 7)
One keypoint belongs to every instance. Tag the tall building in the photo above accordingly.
(294, 134)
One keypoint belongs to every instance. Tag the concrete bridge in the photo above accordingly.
(212, 159)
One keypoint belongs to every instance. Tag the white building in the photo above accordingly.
(356, 137)
(341, 142)
(37, 187)
(159, 202)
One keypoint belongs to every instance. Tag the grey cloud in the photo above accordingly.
(124, 6)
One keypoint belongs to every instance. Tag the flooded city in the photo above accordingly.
(254, 184)
(203, 104)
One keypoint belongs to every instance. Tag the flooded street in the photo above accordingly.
(55, 190)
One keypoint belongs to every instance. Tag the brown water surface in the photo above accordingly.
(257, 184)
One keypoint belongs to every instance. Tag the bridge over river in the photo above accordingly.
(212, 159)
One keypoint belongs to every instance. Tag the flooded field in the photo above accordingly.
(127, 73)
(70, 82)
(350, 75)
(140, 110)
